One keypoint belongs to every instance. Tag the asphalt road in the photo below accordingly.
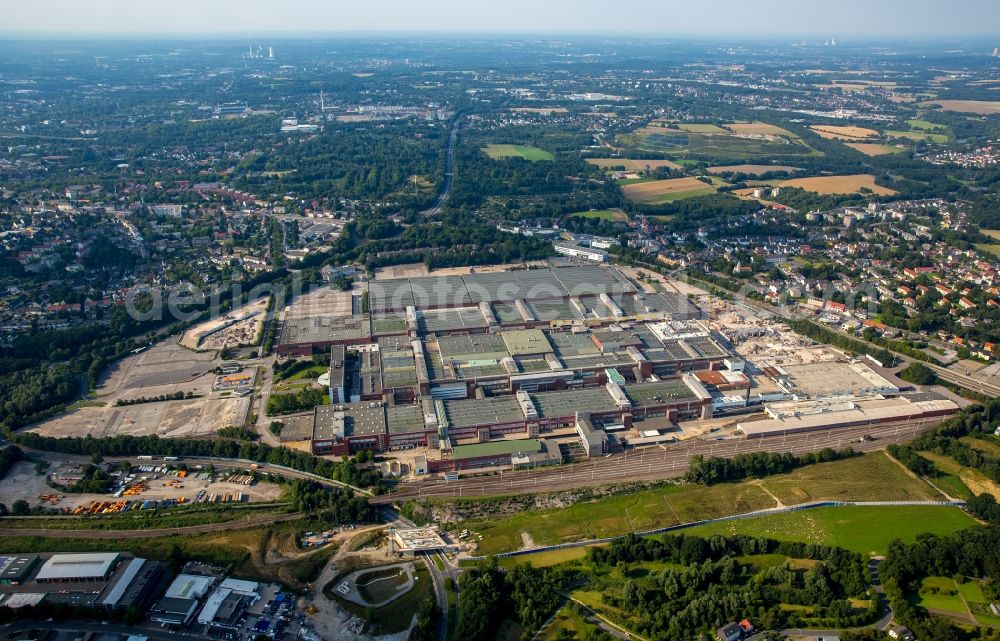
(449, 163)
(652, 463)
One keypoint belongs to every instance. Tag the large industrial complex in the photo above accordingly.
(524, 368)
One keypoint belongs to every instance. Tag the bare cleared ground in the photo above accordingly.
(757, 129)
(838, 184)
(242, 333)
(409, 270)
(632, 164)
(165, 368)
(984, 107)
(655, 189)
(843, 132)
(872, 149)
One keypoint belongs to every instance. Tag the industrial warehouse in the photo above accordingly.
(528, 368)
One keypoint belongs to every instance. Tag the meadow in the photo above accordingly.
(865, 478)
(502, 151)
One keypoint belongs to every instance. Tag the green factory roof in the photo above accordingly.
(494, 448)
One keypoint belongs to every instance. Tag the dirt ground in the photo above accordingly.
(242, 333)
(164, 368)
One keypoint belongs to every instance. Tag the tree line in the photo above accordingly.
(709, 471)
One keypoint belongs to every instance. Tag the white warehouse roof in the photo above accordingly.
(189, 586)
(76, 566)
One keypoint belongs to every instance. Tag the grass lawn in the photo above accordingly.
(545, 559)
(978, 603)
(566, 619)
(500, 151)
(925, 125)
(941, 594)
(988, 248)
(396, 616)
(866, 530)
(864, 478)
(919, 135)
(378, 585)
(310, 372)
(967, 477)
(873, 477)
(602, 214)
(988, 445)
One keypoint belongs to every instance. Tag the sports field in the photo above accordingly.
(983, 107)
(838, 184)
(874, 149)
(866, 530)
(836, 132)
(655, 192)
(501, 151)
(631, 164)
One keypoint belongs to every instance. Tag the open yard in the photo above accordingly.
(838, 132)
(984, 107)
(655, 192)
(501, 151)
(839, 184)
(875, 149)
(632, 164)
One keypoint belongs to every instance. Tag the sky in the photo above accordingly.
(841, 18)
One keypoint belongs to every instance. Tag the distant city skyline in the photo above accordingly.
(843, 19)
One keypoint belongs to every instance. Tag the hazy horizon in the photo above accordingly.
(892, 19)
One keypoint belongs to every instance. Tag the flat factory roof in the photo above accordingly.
(77, 566)
(845, 413)
(496, 448)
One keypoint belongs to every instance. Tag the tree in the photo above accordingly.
(20, 508)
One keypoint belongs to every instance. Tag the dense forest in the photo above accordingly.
(489, 594)
(699, 584)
